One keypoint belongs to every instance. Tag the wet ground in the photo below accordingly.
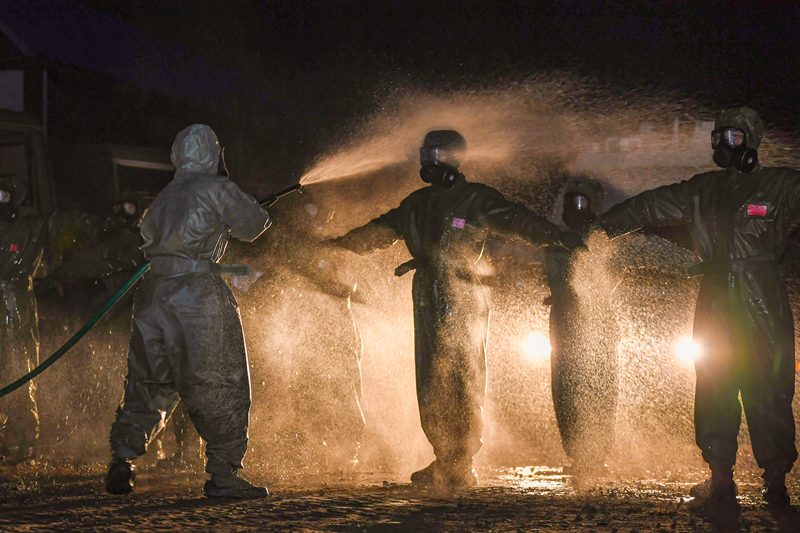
(526, 499)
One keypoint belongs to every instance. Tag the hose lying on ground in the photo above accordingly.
(75, 338)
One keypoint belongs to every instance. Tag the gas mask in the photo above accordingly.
(130, 212)
(440, 174)
(439, 157)
(730, 149)
(8, 211)
(578, 212)
(439, 166)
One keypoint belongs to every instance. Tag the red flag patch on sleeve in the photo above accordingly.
(12, 248)
(757, 210)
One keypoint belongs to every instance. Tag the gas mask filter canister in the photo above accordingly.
(730, 149)
(440, 174)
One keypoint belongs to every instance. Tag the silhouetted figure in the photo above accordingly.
(114, 258)
(739, 219)
(444, 227)
(22, 242)
(584, 335)
(188, 445)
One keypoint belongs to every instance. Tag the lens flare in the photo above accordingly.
(687, 350)
(536, 346)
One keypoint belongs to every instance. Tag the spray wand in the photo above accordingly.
(270, 200)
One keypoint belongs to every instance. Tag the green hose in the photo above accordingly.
(75, 338)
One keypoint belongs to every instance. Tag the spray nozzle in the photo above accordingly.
(270, 200)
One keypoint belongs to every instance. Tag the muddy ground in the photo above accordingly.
(527, 499)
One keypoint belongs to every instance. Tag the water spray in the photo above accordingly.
(502, 127)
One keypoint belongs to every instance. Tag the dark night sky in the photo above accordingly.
(308, 69)
(265, 52)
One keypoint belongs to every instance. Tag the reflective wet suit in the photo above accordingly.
(22, 242)
(739, 221)
(186, 339)
(584, 335)
(444, 227)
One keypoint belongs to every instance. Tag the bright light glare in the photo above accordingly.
(687, 350)
(536, 346)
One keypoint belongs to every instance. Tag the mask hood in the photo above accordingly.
(196, 149)
(131, 197)
(745, 119)
(437, 143)
(589, 187)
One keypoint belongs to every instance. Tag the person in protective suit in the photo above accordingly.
(186, 334)
(444, 227)
(121, 239)
(584, 336)
(114, 258)
(22, 243)
(739, 218)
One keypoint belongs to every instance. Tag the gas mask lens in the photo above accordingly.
(428, 155)
(439, 155)
(578, 202)
(5, 197)
(577, 213)
(733, 137)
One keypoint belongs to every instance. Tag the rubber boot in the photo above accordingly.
(119, 479)
(430, 475)
(233, 486)
(461, 474)
(774, 491)
(447, 473)
(716, 494)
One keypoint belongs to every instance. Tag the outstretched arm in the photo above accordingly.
(513, 219)
(670, 205)
(376, 234)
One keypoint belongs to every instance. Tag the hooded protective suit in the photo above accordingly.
(444, 230)
(743, 324)
(186, 333)
(22, 243)
(584, 335)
